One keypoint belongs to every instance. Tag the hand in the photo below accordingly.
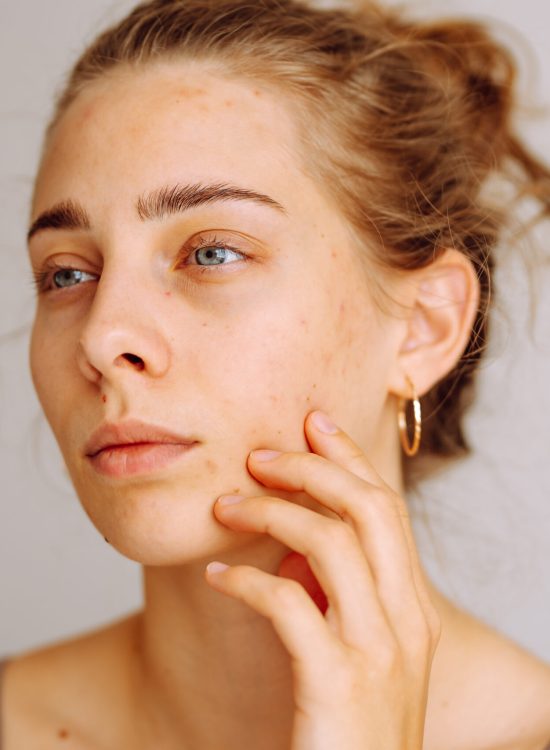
(361, 671)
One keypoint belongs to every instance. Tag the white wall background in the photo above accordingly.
(489, 546)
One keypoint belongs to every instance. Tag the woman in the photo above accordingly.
(335, 161)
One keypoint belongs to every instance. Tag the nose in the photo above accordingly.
(121, 334)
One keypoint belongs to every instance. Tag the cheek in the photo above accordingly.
(49, 359)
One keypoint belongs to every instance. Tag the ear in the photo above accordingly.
(442, 304)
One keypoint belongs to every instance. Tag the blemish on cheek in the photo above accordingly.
(62, 734)
(229, 103)
(342, 308)
(334, 254)
(211, 465)
(104, 398)
(167, 294)
(257, 92)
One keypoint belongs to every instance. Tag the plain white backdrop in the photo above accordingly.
(488, 540)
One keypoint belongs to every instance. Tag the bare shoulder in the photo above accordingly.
(59, 691)
(499, 697)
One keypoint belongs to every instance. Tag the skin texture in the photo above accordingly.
(236, 357)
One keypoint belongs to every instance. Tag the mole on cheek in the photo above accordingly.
(62, 734)
(104, 398)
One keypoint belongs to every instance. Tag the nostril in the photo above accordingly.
(135, 360)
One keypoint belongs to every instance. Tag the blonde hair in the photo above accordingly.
(405, 122)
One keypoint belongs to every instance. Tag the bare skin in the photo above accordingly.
(238, 360)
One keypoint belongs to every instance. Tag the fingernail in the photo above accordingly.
(265, 455)
(216, 567)
(230, 499)
(323, 423)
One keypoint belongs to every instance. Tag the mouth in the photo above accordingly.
(133, 459)
(132, 448)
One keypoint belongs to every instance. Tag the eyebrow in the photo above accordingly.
(164, 201)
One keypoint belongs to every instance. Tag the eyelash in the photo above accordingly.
(42, 279)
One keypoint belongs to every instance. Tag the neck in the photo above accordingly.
(213, 672)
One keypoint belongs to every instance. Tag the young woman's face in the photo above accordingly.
(213, 314)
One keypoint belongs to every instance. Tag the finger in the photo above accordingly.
(333, 552)
(370, 509)
(297, 621)
(341, 449)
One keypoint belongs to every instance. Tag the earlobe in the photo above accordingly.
(442, 314)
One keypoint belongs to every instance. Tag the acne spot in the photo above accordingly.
(342, 308)
(334, 254)
(229, 103)
(62, 734)
(257, 92)
(167, 294)
(104, 398)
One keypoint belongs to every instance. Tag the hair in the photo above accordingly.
(404, 122)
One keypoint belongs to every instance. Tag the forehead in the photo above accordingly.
(170, 122)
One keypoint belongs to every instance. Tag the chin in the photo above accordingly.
(160, 522)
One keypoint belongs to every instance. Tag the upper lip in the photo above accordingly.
(109, 435)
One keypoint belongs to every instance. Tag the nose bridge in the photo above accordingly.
(120, 330)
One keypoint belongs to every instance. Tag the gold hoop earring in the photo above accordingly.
(410, 450)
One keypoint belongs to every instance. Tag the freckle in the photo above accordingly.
(63, 734)
(104, 398)
(205, 325)
(257, 92)
(228, 103)
(211, 465)
(236, 490)
(314, 385)
(333, 253)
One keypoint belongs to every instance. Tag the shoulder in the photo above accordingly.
(499, 698)
(59, 691)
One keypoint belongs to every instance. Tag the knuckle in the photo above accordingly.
(340, 534)
(287, 592)
(389, 658)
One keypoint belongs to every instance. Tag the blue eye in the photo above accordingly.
(70, 277)
(213, 253)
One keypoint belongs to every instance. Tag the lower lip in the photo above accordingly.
(139, 458)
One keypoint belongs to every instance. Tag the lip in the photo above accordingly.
(133, 447)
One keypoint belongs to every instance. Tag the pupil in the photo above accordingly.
(67, 276)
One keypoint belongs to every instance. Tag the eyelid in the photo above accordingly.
(43, 275)
(204, 240)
